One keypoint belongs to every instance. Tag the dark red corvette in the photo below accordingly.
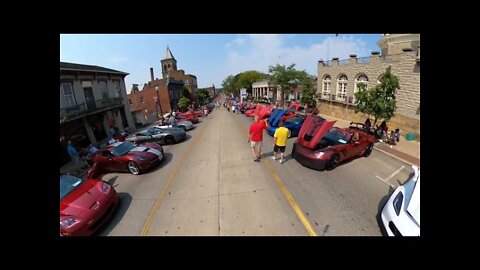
(84, 205)
(125, 157)
(322, 146)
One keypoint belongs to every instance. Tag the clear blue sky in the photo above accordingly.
(210, 57)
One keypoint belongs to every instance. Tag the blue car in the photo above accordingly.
(293, 124)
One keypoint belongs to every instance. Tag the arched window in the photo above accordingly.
(168, 66)
(361, 79)
(342, 87)
(326, 86)
(165, 67)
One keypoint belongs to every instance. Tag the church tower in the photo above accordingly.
(168, 63)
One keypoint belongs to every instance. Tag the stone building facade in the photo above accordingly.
(338, 81)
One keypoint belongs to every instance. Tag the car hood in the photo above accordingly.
(83, 199)
(312, 131)
(275, 117)
(414, 204)
(144, 151)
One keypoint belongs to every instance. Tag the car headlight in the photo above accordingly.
(140, 158)
(319, 154)
(68, 222)
(106, 187)
(397, 203)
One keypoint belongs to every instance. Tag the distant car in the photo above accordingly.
(321, 146)
(293, 124)
(85, 205)
(160, 135)
(184, 124)
(189, 116)
(125, 157)
(401, 214)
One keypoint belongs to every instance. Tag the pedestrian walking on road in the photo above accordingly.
(255, 137)
(280, 141)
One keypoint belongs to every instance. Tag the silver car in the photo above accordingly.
(162, 136)
(185, 125)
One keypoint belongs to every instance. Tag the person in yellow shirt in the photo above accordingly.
(280, 141)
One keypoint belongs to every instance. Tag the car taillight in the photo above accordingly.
(106, 188)
(68, 222)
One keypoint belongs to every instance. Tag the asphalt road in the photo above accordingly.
(210, 186)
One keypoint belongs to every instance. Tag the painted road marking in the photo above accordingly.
(390, 177)
(291, 200)
(186, 153)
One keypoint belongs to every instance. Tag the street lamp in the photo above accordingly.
(158, 100)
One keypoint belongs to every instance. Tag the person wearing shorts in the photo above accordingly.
(280, 141)
(255, 137)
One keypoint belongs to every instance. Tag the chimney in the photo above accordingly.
(151, 74)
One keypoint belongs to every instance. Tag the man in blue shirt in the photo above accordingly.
(73, 152)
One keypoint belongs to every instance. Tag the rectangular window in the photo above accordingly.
(142, 100)
(67, 90)
(103, 89)
(187, 82)
(130, 101)
(118, 90)
(326, 89)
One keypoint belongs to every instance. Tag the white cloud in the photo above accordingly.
(270, 49)
(117, 59)
(238, 41)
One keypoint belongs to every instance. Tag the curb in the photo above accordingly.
(394, 156)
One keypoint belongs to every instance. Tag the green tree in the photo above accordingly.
(379, 101)
(286, 78)
(187, 93)
(183, 103)
(203, 96)
(309, 94)
(228, 85)
(247, 78)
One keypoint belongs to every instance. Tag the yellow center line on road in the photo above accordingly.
(186, 153)
(291, 200)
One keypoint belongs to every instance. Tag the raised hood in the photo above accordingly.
(414, 204)
(275, 117)
(312, 131)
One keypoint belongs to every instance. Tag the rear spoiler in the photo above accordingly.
(362, 127)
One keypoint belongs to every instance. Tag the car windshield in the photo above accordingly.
(68, 183)
(296, 119)
(147, 132)
(336, 136)
(155, 131)
(123, 148)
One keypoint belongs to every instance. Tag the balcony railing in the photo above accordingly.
(343, 62)
(86, 108)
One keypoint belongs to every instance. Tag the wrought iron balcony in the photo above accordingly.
(82, 109)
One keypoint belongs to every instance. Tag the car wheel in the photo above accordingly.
(169, 140)
(133, 168)
(369, 150)
(290, 134)
(332, 163)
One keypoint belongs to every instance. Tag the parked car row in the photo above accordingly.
(85, 205)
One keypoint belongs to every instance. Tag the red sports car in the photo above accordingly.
(126, 157)
(322, 146)
(189, 116)
(292, 111)
(84, 205)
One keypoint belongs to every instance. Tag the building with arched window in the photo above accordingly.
(340, 79)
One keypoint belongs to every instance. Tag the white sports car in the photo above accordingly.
(401, 214)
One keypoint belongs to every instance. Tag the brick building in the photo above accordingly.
(338, 80)
(168, 90)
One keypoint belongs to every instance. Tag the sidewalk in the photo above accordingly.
(408, 151)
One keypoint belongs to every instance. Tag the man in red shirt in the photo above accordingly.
(255, 137)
